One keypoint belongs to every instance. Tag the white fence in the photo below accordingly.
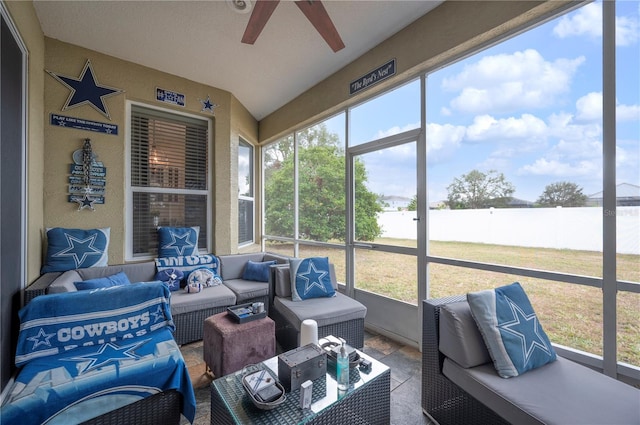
(560, 228)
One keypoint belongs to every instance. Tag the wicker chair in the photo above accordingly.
(443, 400)
(347, 320)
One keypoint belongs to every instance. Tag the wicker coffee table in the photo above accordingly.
(368, 400)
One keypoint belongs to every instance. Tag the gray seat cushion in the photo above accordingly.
(247, 289)
(561, 392)
(232, 266)
(213, 296)
(325, 311)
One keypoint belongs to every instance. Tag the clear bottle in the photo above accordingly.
(342, 369)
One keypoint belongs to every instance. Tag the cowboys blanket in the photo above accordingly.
(86, 353)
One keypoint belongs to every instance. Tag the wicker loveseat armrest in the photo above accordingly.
(40, 286)
(443, 400)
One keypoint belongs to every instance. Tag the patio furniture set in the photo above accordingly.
(462, 381)
(192, 315)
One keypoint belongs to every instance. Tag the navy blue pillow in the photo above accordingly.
(178, 241)
(117, 279)
(172, 277)
(257, 271)
(70, 249)
(310, 278)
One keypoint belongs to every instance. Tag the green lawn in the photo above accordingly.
(571, 314)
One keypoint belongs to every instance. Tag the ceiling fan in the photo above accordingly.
(313, 9)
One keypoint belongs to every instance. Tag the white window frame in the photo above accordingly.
(252, 199)
(129, 190)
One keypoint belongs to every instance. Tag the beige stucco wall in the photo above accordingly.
(24, 17)
(444, 34)
(139, 84)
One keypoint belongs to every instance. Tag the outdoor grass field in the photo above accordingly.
(571, 314)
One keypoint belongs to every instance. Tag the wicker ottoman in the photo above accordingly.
(229, 346)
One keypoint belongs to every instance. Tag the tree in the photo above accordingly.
(413, 204)
(562, 194)
(479, 190)
(321, 191)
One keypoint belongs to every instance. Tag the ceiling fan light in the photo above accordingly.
(240, 6)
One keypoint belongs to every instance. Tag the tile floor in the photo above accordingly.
(405, 367)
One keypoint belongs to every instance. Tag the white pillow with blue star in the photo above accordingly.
(511, 330)
(70, 249)
(310, 278)
(178, 241)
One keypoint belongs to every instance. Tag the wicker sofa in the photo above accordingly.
(340, 316)
(70, 369)
(458, 390)
(189, 310)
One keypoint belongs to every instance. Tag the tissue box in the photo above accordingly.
(302, 364)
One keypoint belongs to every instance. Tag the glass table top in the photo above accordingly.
(325, 393)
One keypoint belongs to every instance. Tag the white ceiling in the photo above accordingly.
(200, 40)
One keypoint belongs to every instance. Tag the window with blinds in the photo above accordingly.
(169, 175)
(245, 193)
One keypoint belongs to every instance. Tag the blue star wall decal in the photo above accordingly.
(207, 105)
(313, 278)
(108, 353)
(180, 242)
(86, 90)
(79, 249)
(526, 327)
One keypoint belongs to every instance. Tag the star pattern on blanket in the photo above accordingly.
(79, 249)
(313, 278)
(158, 314)
(42, 338)
(108, 353)
(525, 327)
(179, 242)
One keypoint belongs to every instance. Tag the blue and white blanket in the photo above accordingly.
(86, 353)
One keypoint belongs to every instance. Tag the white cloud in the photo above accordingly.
(628, 113)
(587, 21)
(505, 82)
(487, 128)
(589, 108)
(396, 130)
(556, 168)
(443, 141)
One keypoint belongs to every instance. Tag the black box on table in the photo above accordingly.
(301, 364)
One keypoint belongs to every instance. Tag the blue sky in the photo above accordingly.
(529, 107)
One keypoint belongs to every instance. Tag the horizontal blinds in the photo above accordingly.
(168, 151)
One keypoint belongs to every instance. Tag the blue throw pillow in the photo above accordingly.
(70, 249)
(172, 277)
(511, 330)
(178, 241)
(257, 271)
(310, 278)
(117, 279)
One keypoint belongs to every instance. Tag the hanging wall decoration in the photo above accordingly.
(85, 90)
(88, 178)
(207, 105)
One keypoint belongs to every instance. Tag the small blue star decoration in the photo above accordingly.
(207, 105)
(86, 90)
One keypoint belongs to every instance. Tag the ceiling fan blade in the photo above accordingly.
(261, 13)
(316, 14)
